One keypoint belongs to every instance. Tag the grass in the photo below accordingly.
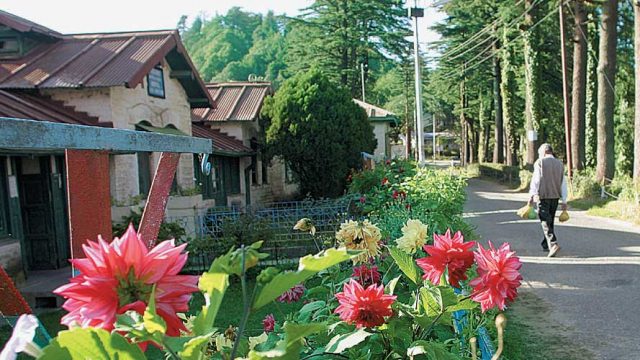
(609, 208)
(532, 333)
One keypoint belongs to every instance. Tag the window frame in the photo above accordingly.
(164, 88)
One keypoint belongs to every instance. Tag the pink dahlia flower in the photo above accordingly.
(119, 276)
(364, 307)
(447, 253)
(292, 295)
(498, 276)
(269, 323)
(365, 275)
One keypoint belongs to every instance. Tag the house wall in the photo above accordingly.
(380, 131)
(126, 107)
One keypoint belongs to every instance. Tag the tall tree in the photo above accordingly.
(579, 88)
(507, 92)
(498, 146)
(532, 79)
(605, 165)
(591, 141)
(636, 48)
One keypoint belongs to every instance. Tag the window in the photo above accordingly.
(9, 45)
(265, 168)
(230, 173)
(254, 162)
(155, 82)
(4, 201)
(144, 172)
(207, 184)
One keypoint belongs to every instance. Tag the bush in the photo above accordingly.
(319, 132)
(168, 230)
(585, 184)
(503, 173)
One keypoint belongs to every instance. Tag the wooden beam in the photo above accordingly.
(157, 201)
(198, 100)
(182, 74)
(20, 134)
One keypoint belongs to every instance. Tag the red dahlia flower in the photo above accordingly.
(498, 277)
(365, 275)
(292, 295)
(364, 307)
(119, 276)
(269, 323)
(447, 253)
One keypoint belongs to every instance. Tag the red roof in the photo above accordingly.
(223, 144)
(238, 101)
(24, 25)
(21, 105)
(103, 60)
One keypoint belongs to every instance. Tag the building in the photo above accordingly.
(141, 81)
(382, 121)
(242, 174)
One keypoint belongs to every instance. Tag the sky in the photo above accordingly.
(85, 16)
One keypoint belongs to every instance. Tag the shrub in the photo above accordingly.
(168, 230)
(319, 132)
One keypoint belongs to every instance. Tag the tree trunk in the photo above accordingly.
(579, 87)
(480, 132)
(507, 90)
(605, 166)
(498, 149)
(532, 82)
(464, 146)
(636, 56)
(591, 142)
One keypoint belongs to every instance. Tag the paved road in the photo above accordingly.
(593, 284)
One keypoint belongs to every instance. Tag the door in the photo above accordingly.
(36, 205)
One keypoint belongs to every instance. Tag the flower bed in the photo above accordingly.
(390, 284)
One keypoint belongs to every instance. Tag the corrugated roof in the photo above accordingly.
(237, 101)
(222, 143)
(21, 105)
(372, 110)
(104, 60)
(23, 25)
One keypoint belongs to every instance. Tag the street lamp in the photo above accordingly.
(416, 12)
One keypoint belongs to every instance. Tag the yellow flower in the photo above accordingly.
(414, 235)
(305, 224)
(360, 235)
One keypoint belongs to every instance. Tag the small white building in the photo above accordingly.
(382, 121)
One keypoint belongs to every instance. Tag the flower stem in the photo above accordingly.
(171, 353)
(247, 305)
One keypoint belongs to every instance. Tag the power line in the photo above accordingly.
(452, 73)
(511, 23)
(476, 35)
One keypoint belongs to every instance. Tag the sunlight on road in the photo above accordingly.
(545, 285)
(609, 260)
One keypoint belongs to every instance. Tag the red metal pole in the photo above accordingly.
(88, 197)
(158, 196)
(565, 91)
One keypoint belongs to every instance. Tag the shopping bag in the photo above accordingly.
(533, 214)
(564, 216)
(524, 212)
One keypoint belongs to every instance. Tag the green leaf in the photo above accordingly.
(306, 312)
(213, 285)
(194, 348)
(289, 347)
(91, 343)
(431, 299)
(340, 343)
(391, 285)
(406, 264)
(309, 266)
(153, 323)
(432, 350)
(466, 304)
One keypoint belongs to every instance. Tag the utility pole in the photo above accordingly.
(565, 91)
(362, 80)
(433, 118)
(416, 12)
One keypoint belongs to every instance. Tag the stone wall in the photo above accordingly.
(11, 259)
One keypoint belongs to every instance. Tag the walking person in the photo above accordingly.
(549, 188)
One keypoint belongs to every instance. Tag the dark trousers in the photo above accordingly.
(547, 214)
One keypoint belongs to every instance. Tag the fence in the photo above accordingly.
(283, 244)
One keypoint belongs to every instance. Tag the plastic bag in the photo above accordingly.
(564, 216)
(523, 212)
(533, 214)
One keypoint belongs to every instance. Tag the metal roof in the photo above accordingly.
(22, 105)
(23, 25)
(103, 60)
(235, 101)
(373, 111)
(223, 144)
